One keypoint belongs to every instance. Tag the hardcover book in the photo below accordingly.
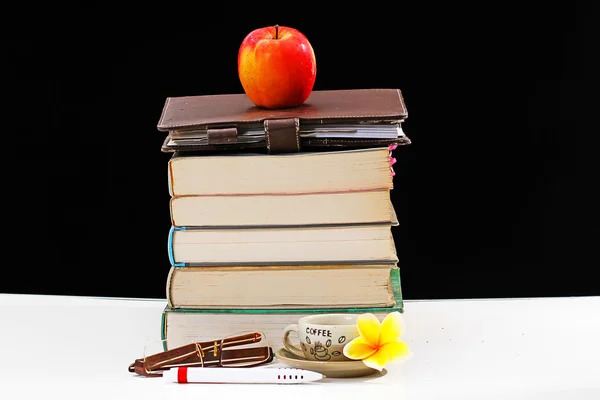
(335, 244)
(270, 286)
(181, 326)
(343, 208)
(292, 173)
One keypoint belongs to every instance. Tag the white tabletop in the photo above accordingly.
(79, 348)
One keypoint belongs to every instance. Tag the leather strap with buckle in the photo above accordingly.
(283, 135)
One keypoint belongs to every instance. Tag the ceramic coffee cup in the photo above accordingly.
(322, 336)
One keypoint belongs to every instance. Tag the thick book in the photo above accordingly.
(292, 173)
(285, 286)
(297, 245)
(328, 120)
(180, 326)
(357, 207)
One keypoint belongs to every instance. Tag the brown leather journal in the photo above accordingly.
(227, 352)
(328, 120)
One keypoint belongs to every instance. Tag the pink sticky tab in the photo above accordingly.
(392, 161)
(392, 147)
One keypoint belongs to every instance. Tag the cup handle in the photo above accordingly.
(293, 328)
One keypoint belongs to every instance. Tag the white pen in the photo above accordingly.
(240, 375)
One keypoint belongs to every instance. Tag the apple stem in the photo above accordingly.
(276, 31)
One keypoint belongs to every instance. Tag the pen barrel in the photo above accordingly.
(239, 375)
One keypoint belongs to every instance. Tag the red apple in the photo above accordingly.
(277, 67)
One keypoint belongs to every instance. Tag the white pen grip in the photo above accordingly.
(240, 375)
(229, 375)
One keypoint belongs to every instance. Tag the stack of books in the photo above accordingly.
(278, 214)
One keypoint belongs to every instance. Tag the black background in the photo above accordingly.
(496, 196)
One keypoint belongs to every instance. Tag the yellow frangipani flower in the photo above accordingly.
(378, 343)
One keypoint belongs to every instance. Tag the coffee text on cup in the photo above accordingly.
(318, 332)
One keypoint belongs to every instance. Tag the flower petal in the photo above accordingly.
(377, 360)
(395, 351)
(392, 328)
(358, 349)
(369, 328)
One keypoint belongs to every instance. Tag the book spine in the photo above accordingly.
(170, 176)
(397, 287)
(391, 148)
(171, 200)
(168, 288)
(163, 324)
(170, 246)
